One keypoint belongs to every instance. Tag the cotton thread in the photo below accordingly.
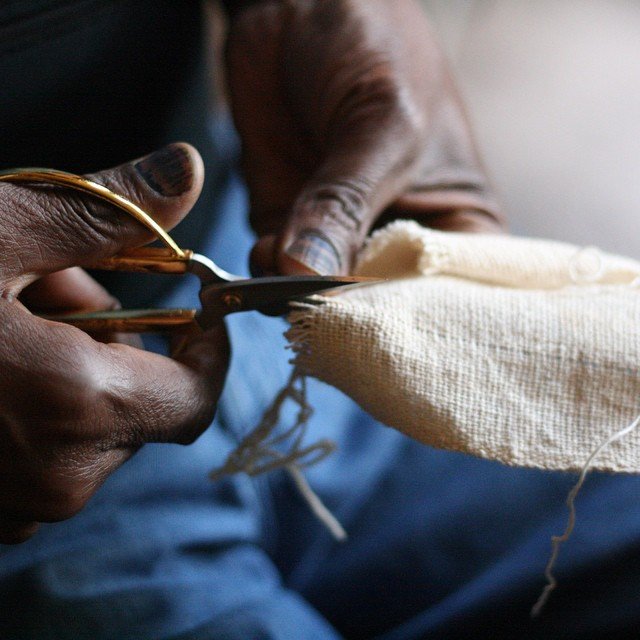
(579, 272)
(258, 452)
(556, 541)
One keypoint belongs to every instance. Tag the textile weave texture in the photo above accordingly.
(519, 350)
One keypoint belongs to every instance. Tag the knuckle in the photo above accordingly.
(344, 202)
(54, 394)
(89, 219)
(381, 96)
(176, 413)
(122, 181)
(380, 107)
(50, 222)
(24, 230)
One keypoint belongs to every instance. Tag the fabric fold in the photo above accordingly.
(517, 350)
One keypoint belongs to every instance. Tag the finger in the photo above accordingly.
(107, 396)
(263, 259)
(50, 228)
(369, 158)
(466, 221)
(332, 216)
(167, 400)
(450, 218)
(364, 126)
(70, 290)
(75, 291)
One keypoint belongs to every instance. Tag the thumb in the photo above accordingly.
(339, 204)
(324, 230)
(50, 228)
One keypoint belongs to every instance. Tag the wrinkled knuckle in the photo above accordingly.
(410, 117)
(91, 220)
(401, 118)
(379, 95)
(344, 201)
(390, 96)
(125, 183)
(138, 422)
(32, 217)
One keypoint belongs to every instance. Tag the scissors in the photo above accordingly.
(221, 293)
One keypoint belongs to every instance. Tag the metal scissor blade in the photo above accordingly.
(271, 296)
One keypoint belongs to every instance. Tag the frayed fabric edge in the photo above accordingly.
(260, 451)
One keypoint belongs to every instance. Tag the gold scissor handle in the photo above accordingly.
(168, 259)
(146, 260)
(131, 321)
(78, 183)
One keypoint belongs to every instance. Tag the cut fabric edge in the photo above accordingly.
(306, 326)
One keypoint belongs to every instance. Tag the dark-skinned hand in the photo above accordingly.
(348, 117)
(73, 409)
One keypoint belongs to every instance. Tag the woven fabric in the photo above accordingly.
(518, 350)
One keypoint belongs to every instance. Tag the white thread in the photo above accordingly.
(319, 509)
(556, 541)
(257, 452)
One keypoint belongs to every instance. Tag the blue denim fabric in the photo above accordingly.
(441, 545)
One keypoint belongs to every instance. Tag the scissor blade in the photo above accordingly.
(271, 296)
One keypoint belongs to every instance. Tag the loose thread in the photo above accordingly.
(257, 452)
(317, 506)
(556, 541)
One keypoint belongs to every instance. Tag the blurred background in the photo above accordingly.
(553, 89)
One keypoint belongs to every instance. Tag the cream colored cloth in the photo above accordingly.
(518, 350)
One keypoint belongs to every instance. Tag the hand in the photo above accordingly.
(347, 113)
(73, 409)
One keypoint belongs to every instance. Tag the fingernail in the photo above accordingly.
(316, 251)
(168, 171)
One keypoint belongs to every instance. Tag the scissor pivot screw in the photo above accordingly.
(232, 300)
